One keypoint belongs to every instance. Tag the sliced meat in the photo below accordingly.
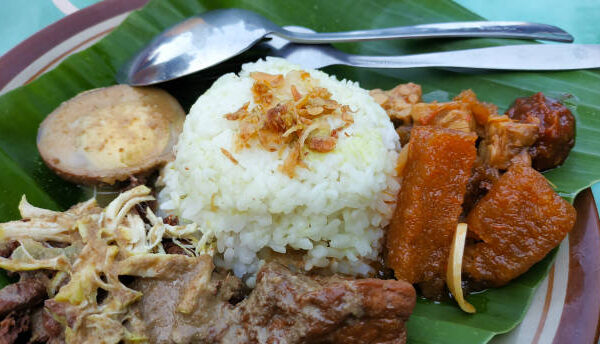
(38, 330)
(325, 309)
(429, 204)
(52, 326)
(519, 221)
(13, 325)
(556, 129)
(172, 248)
(23, 294)
(160, 300)
(321, 309)
(171, 220)
(377, 331)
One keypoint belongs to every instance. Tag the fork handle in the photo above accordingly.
(498, 29)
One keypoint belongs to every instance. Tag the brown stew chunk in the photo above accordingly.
(504, 139)
(434, 183)
(23, 294)
(481, 181)
(452, 115)
(404, 134)
(329, 309)
(519, 221)
(398, 101)
(284, 307)
(464, 113)
(556, 129)
(13, 326)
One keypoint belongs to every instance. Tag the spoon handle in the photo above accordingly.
(522, 30)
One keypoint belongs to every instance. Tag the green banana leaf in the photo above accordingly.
(499, 310)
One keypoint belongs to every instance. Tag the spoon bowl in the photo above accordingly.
(195, 44)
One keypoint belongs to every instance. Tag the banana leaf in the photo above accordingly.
(499, 310)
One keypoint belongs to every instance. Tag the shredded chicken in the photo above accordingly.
(290, 111)
(87, 297)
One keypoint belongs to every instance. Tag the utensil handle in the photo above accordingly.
(510, 57)
(499, 29)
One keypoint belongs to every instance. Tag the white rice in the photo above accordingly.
(334, 210)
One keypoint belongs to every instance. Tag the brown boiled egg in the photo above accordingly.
(108, 134)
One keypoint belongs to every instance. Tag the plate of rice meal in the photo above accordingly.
(262, 201)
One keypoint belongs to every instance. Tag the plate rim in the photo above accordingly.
(580, 317)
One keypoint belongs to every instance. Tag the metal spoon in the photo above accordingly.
(539, 57)
(215, 36)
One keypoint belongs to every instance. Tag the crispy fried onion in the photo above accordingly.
(454, 270)
(87, 296)
(290, 111)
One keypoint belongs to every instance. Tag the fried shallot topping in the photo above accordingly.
(293, 112)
